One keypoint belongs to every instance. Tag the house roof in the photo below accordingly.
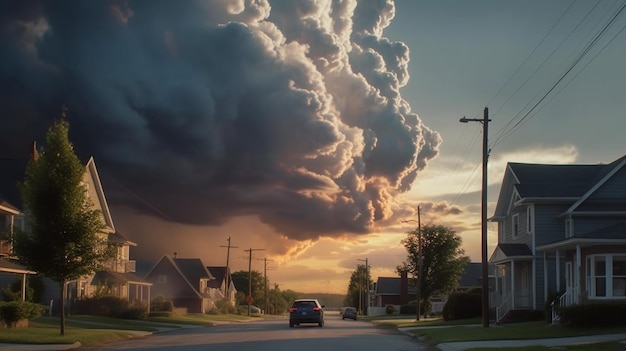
(504, 252)
(614, 234)
(541, 180)
(219, 273)
(8, 266)
(193, 269)
(390, 286)
(118, 278)
(118, 238)
(471, 275)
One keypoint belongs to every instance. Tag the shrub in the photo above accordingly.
(106, 306)
(161, 304)
(389, 309)
(408, 309)
(462, 305)
(137, 311)
(594, 314)
(14, 311)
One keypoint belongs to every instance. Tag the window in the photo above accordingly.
(162, 279)
(501, 231)
(515, 226)
(529, 219)
(607, 276)
(569, 228)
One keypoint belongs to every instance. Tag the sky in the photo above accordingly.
(310, 131)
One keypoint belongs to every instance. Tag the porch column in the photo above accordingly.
(513, 284)
(545, 276)
(24, 287)
(534, 282)
(558, 271)
(577, 276)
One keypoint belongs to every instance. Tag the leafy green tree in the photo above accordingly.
(63, 239)
(240, 278)
(443, 259)
(357, 288)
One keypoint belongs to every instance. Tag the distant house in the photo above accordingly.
(186, 282)
(393, 291)
(561, 229)
(471, 277)
(223, 282)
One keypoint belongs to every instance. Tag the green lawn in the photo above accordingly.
(472, 330)
(91, 330)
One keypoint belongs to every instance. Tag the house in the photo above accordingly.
(223, 282)
(561, 229)
(186, 282)
(117, 279)
(392, 291)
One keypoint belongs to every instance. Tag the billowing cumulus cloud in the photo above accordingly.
(286, 110)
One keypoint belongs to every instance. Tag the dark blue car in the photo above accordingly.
(306, 311)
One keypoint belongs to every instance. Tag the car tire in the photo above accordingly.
(290, 324)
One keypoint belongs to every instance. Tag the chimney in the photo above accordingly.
(404, 287)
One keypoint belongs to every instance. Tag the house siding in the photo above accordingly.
(548, 226)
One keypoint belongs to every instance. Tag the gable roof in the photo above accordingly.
(219, 273)
(471, 275)
(391, 286)
(96, 194)
(190, 269)
(570, 183)
(505, 252)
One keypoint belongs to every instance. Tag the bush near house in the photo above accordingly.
(389, 309)
(594, 314)
(461, 305)
(14, 311)
(411, 308)
(109, 306)
(161, 307)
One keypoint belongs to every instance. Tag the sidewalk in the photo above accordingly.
(496, 344)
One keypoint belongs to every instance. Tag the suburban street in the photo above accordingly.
(275, 335)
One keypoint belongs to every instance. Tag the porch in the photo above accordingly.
(514, 279)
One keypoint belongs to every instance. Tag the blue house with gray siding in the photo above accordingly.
(561, 230)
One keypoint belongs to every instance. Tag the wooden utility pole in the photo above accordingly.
(419, 262)
(227, 274)
(249, 297)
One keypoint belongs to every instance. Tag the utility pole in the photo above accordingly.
(265, 296)
(227, 274)
(420, 263)
(485, 270)
(249, 297)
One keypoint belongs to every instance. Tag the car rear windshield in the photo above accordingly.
(305, 304)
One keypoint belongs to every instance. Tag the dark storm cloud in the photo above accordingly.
(206, 110)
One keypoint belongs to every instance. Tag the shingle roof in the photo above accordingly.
(537, 180)
(219, 273)
(511, 250)
(117, 277)
(615, 231)
(549, 180)
(193, 269)
(390, 286)
(12, 267)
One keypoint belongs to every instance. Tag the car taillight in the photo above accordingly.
(316, 309)
(293, 309)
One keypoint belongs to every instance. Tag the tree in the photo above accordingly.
(63, 240)
(240, 279)
(357, 288)
(443, 260)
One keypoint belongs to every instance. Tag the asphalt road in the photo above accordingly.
(275, 335)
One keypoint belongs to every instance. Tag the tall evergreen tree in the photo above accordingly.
(63, 239)
(443, 259)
